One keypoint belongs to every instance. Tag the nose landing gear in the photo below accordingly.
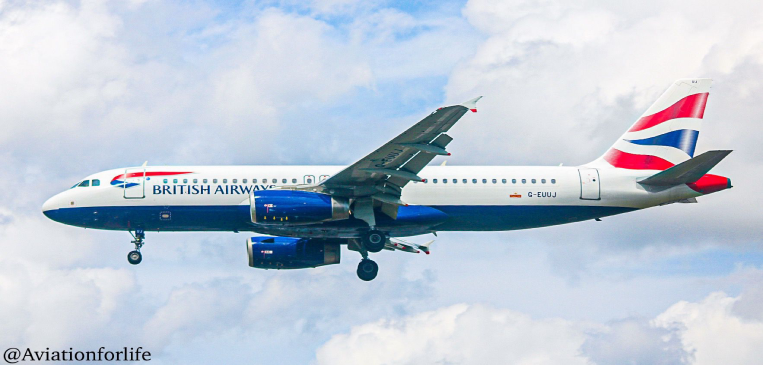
(135, 257)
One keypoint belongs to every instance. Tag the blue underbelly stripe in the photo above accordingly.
(236, 218)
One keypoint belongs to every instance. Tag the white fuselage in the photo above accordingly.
(483, 197)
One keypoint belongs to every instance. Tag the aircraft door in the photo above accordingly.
(590, 188)
(309, 179)
(134, 183)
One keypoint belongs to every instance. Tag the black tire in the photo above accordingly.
(367, 269)
(134, 257)
(374, 240)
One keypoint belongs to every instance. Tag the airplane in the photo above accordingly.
(308, 212)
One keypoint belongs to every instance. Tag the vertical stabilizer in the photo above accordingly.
(666, 134)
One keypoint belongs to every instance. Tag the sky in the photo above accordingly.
(87, 86)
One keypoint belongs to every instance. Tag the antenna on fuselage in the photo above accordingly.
(144, 164)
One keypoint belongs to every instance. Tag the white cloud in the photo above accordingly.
(704, 332)
(460, 334)
(713, 333)
(634, 341)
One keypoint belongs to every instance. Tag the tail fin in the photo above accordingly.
(666, 134)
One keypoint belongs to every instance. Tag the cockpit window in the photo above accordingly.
(76, 185)
(84, 184)
(96, 182)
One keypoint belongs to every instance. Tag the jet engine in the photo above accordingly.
(291, 253)
(296, 207)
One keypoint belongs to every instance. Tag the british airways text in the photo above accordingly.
(208, 189)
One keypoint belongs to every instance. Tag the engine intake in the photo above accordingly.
(291, 253)
(296, 207)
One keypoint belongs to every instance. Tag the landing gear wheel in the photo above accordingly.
(374, 240)
(134, 257)
(367, 270)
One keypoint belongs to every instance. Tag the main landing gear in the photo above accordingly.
(374, 240)
(134, 257)
(367, 269)
(371, 241)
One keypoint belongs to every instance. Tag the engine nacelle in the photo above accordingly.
(291, 253)
(296, 207)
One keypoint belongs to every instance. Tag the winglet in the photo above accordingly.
(425, 247)
(472, 104)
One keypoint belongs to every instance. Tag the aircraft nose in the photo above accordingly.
(50, 205)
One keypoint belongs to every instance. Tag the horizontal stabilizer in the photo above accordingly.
(688, 171)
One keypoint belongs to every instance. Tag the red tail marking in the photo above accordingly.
(710, 183)
(692, 106)
(626, 160)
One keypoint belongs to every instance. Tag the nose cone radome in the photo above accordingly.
(51, 206)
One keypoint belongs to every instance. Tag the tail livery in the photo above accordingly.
(664, 138)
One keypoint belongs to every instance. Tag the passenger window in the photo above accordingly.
(205, 181)
(455, 181)
(264, 181)
(524, 181)
(484, 181)
(214, 181)
(495, 181)
(513, 181)
(225, 181)
(235, 181)
(444, 181)
(464, 181)
(533, 181)
(283, 181)
(244, 181)
(503, 181)
(185, 181)
(293, 181)
(96, 182)
(553, 181)
(84, 184)
(165, 181)
(542, 181)
(434, 181)
(474, 181)
(254, 181)
(174, 181)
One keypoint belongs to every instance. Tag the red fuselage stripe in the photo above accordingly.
(153, 173)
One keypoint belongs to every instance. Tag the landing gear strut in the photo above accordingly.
(371, 241)
(134, 257)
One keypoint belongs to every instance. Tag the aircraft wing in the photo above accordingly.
(384, 172)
